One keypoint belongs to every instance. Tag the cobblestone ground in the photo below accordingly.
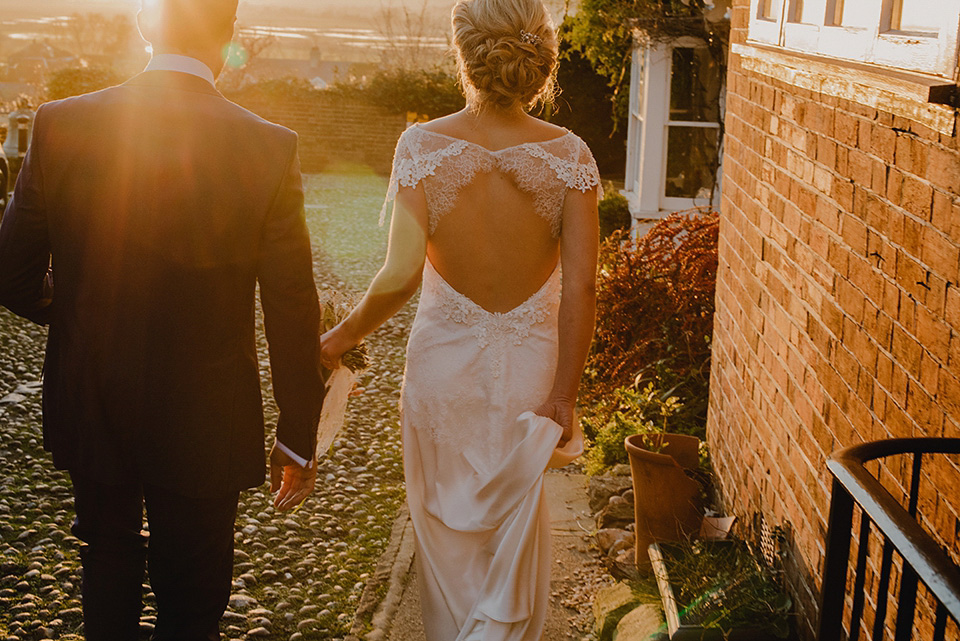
(298, 575)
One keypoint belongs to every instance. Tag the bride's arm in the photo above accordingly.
(578, 257)
(393, 285)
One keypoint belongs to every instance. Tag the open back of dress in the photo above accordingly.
(474, 452)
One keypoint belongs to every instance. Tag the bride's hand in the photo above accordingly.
(333, 345)
(561, 411)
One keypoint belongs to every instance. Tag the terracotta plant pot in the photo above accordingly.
(666, 501)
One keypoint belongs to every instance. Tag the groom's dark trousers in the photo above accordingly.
(158, 206)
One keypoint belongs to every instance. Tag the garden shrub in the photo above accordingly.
(74, 81)
(288, 88)
(614, 212)
(655, 304)
(431, 93)
(629, 411)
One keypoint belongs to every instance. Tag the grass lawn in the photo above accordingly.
(342, 209)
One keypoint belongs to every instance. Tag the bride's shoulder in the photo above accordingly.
(559, 141)
(421, 138)
(543, 131)
(451, 125)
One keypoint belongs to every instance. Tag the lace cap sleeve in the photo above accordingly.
(402, 171)
(586, 176)
(415, 159)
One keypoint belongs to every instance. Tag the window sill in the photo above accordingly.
(633, 201)
(637, 212)
(901, 93)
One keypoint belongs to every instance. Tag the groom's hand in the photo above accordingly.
(289, 481)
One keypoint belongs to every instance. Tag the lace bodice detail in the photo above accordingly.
(497, 327)
(445, 165)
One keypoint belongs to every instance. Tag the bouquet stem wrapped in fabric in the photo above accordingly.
(334, 307)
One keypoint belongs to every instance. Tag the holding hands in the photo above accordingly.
(333, 345)
(290, 482)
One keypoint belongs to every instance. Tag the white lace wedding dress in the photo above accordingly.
(474, 452)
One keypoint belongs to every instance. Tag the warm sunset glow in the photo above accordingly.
(235, 55)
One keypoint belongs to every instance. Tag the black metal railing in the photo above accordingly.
(923, 560)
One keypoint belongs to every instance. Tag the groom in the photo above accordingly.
(157, 206)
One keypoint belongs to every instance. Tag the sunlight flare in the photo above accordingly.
(235, 55)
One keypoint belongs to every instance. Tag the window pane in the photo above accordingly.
(694, 86)
(691, 162)
(805, 11)
(850, 13)
(639, 79)
(796, 11)
(914, 15)
(766, 10)
(834, 16)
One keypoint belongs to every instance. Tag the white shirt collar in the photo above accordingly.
(183, 64)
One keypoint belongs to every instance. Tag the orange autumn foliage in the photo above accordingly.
(655, 304)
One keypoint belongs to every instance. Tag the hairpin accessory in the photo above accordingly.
(530, 38)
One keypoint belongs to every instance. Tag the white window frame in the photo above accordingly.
(635, 125)
(647, 134)
(877, 43)
(766, 30)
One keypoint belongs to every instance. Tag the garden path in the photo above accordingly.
(574, 573)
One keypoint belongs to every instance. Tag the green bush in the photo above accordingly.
(691, 386)
(630, 411)
(614, 212)
(606, 32)
(80, 80)
(432, 93)
(290, 88)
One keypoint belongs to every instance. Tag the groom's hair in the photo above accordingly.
(184, 24)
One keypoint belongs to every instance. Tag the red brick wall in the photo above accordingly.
(838, 308)
(333, 130)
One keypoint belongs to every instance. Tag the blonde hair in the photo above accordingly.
(506, 51)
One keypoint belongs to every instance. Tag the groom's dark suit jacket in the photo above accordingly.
(163, 205)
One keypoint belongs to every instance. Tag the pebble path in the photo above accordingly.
(297, 575)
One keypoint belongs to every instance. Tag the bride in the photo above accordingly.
(490, 203)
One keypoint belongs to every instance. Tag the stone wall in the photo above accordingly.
(838, 308)
(332, 129)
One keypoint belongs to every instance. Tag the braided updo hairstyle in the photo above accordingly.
(506, 51)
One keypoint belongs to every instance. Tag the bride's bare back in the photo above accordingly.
(490, 248)
(493, 201)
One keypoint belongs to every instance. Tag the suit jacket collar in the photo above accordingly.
(173, 80)
(180, 62)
